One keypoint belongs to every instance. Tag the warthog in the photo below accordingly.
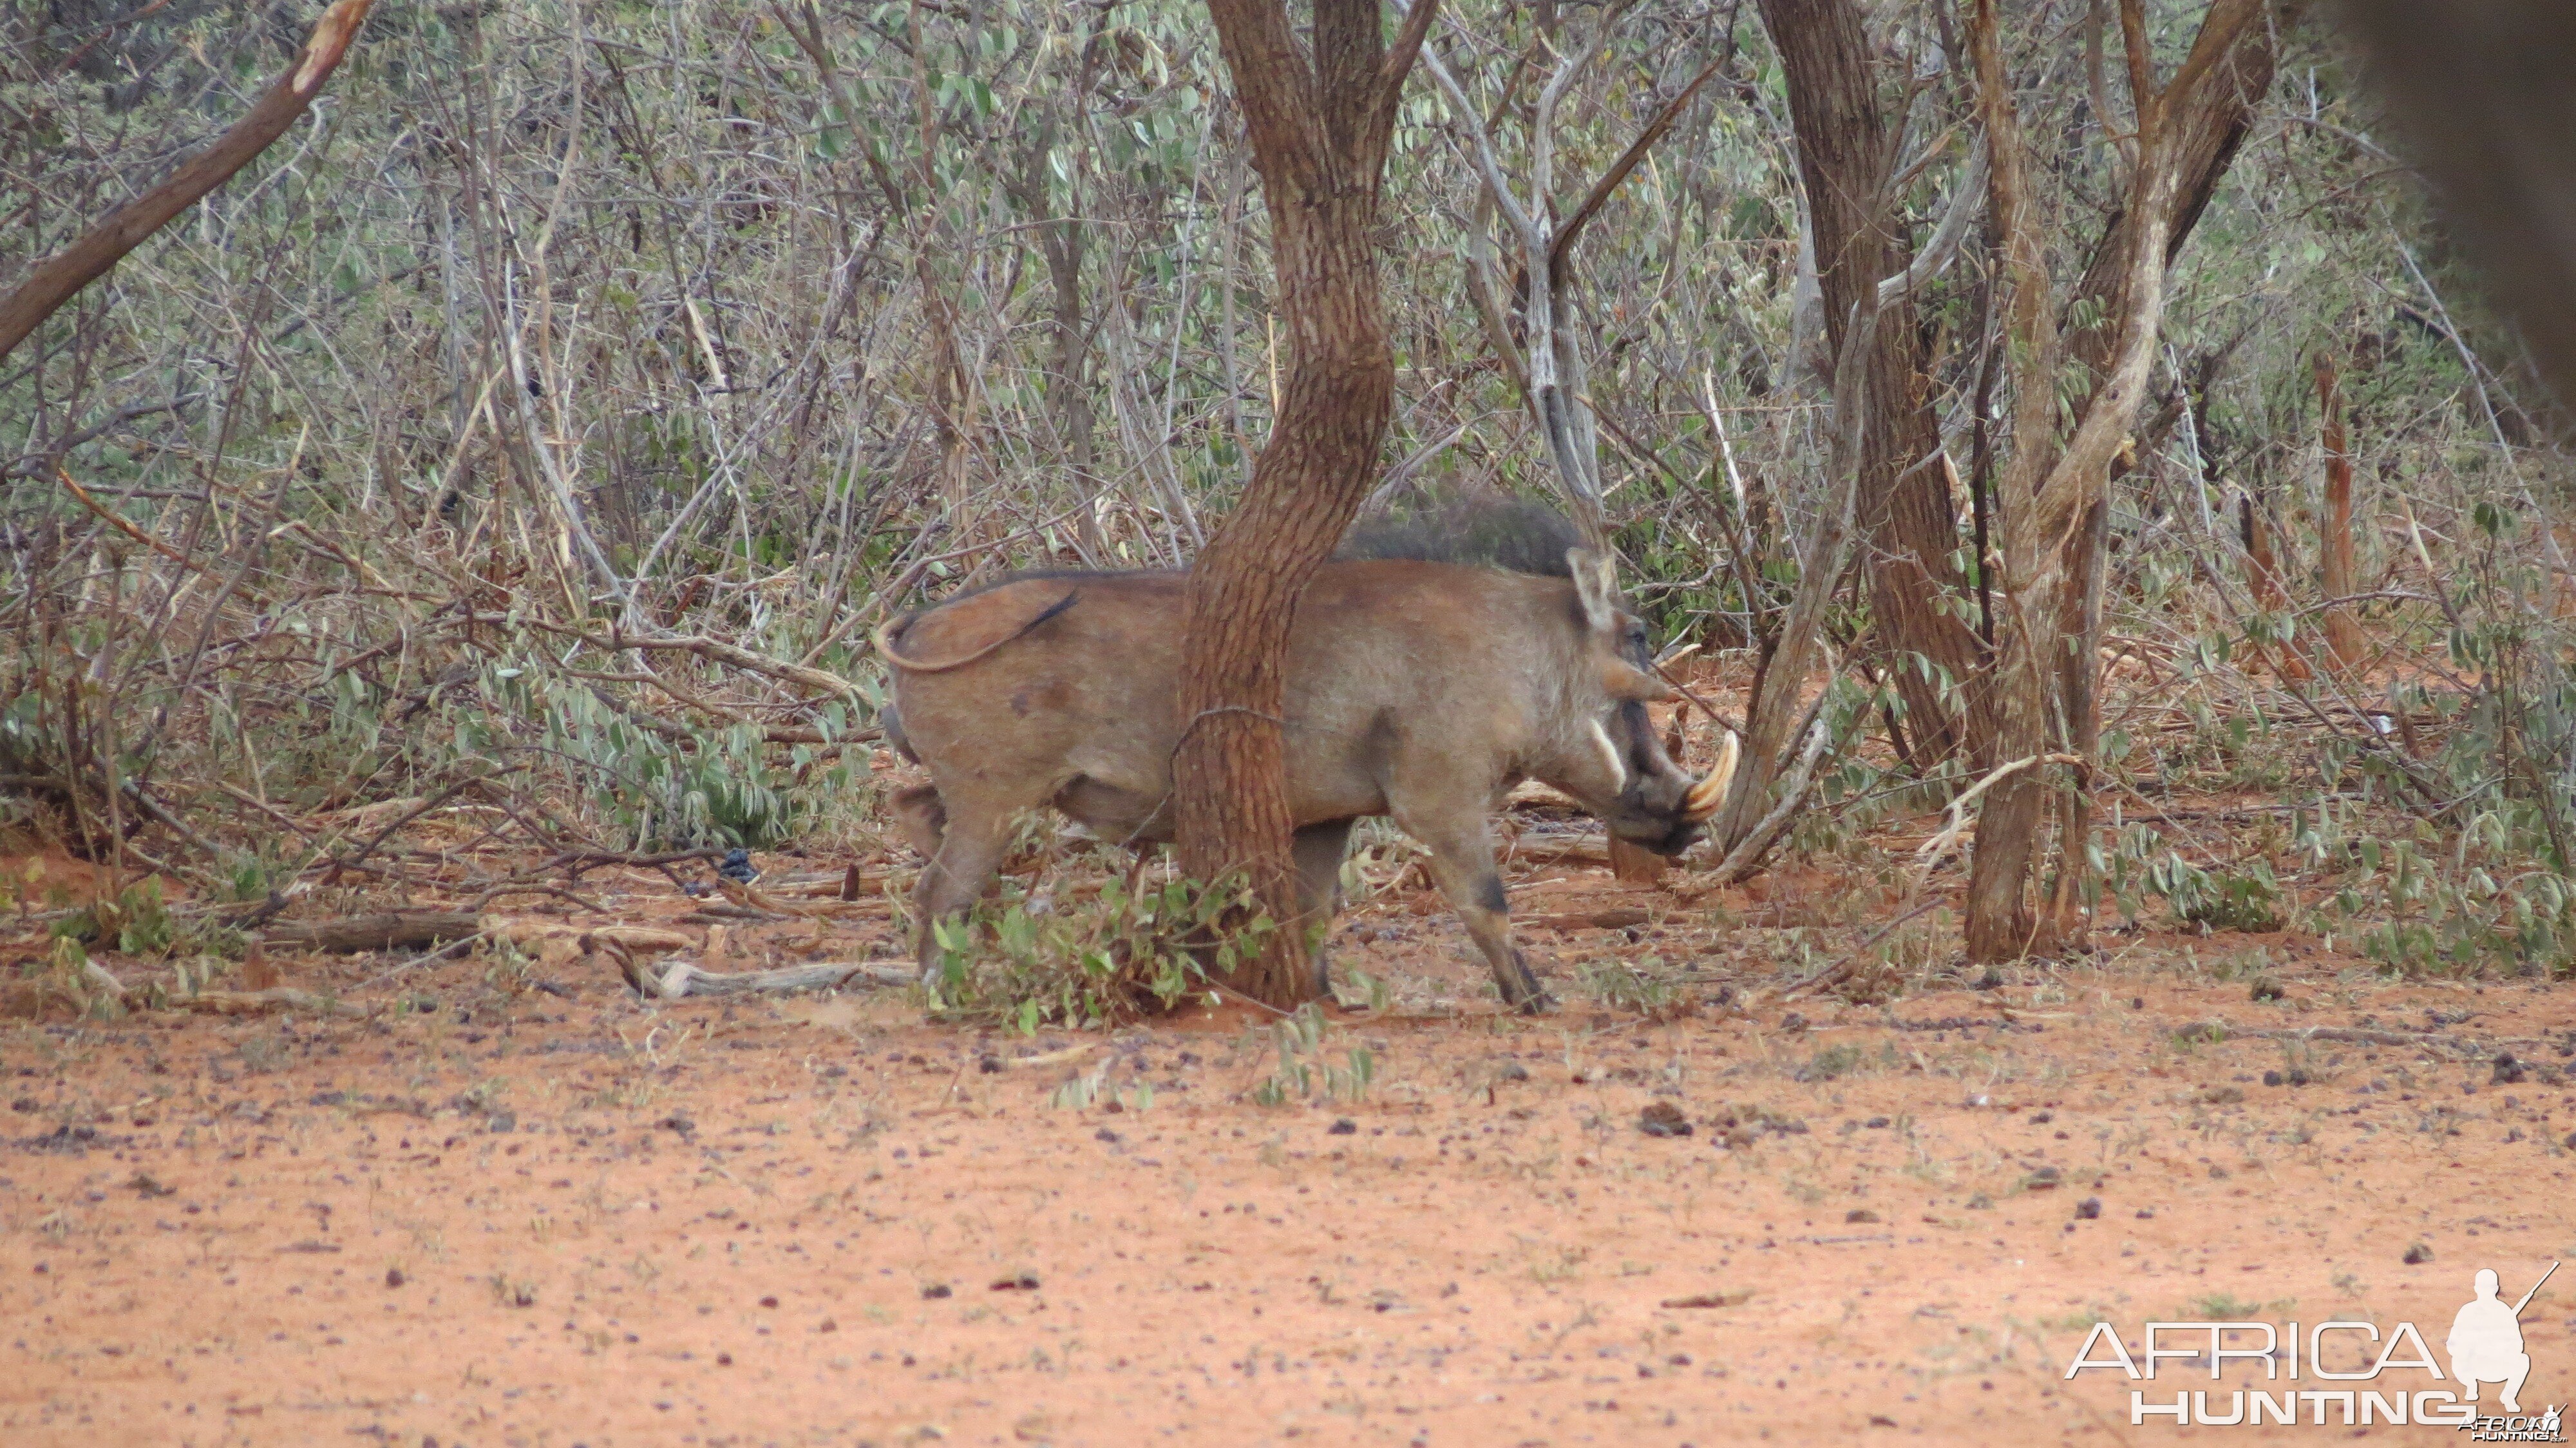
(1416, 688)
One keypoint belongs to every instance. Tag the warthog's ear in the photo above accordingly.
(1596, 587)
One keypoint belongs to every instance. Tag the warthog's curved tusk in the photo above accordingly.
(884, 636)
(1706, 796)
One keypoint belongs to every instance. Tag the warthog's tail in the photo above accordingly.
(892, 629)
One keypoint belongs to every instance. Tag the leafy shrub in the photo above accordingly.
(1120, 956)
(2137, 869)
(2226, 900)
(136, 922)
(713, 787)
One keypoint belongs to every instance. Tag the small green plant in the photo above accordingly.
(1120, 955)
(2226, 900)
(1620, 986)
(1358, 990)
(136, 922)
(1093, 1086)
(66, 970)
(1302, 1072)
(2465, 919)
(1831, 1063)
(705, 787)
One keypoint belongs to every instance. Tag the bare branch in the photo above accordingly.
(1943, 246)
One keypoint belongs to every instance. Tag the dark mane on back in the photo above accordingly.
(1507, 534)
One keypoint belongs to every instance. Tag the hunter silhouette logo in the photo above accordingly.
(2484, 1347)
(2486, 1340)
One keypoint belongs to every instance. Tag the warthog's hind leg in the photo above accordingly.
(1319, 851)
(921, 817)
(970, 850)
(1462, 865)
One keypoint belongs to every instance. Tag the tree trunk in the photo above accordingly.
(948, 383)
(1063, 240)
(1318, 136)
(2049, 490)
(1228, 777)
(2080, 700)
(1071, 381)
(2205, 138)
(1905, 511)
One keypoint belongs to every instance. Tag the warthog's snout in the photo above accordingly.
(1660, 806)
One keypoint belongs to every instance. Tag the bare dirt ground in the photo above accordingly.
(517, 1205)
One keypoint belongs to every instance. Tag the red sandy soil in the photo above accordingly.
(518, 1206)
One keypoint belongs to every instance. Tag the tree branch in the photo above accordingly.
(1629, 160)
(1414, 28)
(57, 278)
(1944, 243)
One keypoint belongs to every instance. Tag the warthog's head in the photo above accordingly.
(1625, 778)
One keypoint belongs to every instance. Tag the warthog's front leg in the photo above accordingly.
(1319, 850)
(1462, 865)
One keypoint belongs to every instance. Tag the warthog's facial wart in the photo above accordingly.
(1610, 756)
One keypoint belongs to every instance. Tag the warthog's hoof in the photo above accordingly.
(1538, 1004)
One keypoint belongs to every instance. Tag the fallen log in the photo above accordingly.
(386, 930)
(722, 914)
(852, 883)
(754, 898)
(1043, 1059)
(2460, 1046)
(1617, 918)
(219, 1002)
(524, 931)
(275, 998)
(681, 979)
(1552, 849)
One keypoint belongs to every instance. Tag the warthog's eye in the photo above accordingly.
(1637, 636)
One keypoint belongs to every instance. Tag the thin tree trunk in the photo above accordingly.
(2346, 649)
(2079, 677)
(2271, 595)
(1063, 240)
(1776, 715)
(1072, 379)
(948, 384)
